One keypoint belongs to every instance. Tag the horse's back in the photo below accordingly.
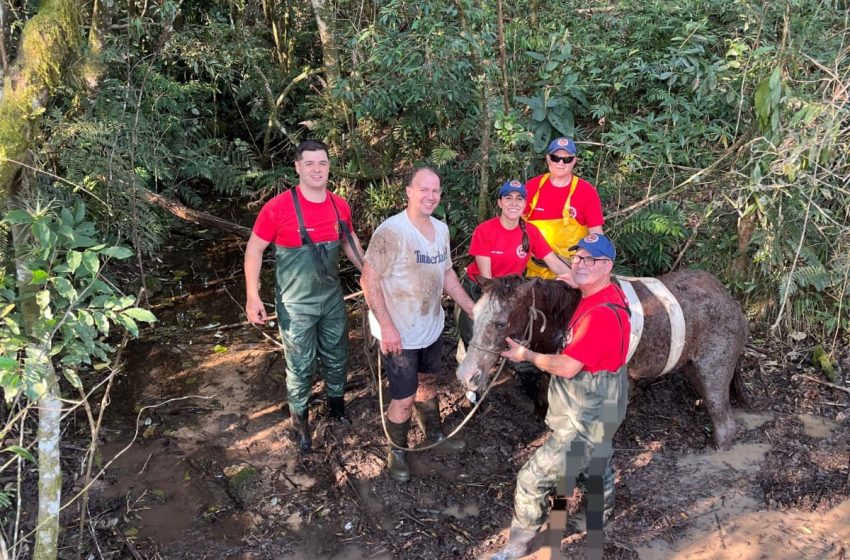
(713, 321)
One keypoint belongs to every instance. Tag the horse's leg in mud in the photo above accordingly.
(711, 375)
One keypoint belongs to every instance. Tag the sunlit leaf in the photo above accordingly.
(117, 252)
(140, 314)
(21, 452)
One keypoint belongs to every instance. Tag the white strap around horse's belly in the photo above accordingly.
(636, 317)
(674, 313)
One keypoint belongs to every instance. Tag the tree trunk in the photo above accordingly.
(324, 21)
(195, 216)
(93, 68)
(49, 469)
(47, 41)
(484, 188)
(503, 58)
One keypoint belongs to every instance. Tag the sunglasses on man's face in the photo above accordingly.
(557, 159)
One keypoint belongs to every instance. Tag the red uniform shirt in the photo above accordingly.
(585, 205)
(504, 247)
(278, 223)
(596, 337)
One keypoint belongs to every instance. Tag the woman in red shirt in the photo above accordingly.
(502, 246)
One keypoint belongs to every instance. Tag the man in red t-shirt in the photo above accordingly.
(307, 225)
(588, 394)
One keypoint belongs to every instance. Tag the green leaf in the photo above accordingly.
(128, 324)
(140, 314)
(16, 217)
(101, 321)
(12, 325)
(79, 212)
(83, 241)
(6, 309)
(21, 452)
(91, 263)
(117, 252)
(541, 136)
(563, 122)
(536, 56)
(72, 378)
(219, 349)
(65, 289)
(38, 277)
(74, 258)
(8, 364)
(67, 217)
(42, 298)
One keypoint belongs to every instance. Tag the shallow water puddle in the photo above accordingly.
(817, 426)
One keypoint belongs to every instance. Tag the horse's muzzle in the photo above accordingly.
(476, 381)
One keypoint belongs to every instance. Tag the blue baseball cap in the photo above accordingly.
(513, 185)
(562, 144)
(597, 245)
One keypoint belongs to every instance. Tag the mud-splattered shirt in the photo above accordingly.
(412, 270)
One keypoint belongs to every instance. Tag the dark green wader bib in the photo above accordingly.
(311, 319)
(584, 413)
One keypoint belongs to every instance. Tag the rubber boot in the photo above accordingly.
(397, 458)
(301, 425)
(336, 410)
(427, 415)
(517, 545)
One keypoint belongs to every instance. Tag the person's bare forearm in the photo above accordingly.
(254, 307)
(374, 295)
(452, 286)
(555, 364)
(253, 264)
(556, 264)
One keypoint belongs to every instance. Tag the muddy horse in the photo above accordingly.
(685, 320)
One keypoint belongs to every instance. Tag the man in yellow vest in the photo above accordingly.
(564, 207)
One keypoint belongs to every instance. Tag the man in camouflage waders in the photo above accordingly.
(588, 394)
(307, 225)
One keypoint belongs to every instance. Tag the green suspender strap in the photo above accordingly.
(305, 237)
(343, 227)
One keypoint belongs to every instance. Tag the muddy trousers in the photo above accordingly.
(313, 335)
(584, 413)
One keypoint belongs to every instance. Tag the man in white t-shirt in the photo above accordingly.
(408, 267)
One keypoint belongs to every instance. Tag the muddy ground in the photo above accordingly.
(207, 469)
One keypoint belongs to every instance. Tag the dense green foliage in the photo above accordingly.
(77, 305)
(715, 131)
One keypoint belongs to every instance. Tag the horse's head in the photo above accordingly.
(501, 311)
(505, 309)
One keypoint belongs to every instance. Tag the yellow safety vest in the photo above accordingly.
(561, 233)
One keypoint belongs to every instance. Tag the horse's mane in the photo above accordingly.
(554, 299)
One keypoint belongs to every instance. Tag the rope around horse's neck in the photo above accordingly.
(533, 313)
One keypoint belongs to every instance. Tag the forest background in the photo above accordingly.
(716, 132)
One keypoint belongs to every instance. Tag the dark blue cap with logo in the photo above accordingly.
(562, 144)
(512, 186)
(597, 245)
